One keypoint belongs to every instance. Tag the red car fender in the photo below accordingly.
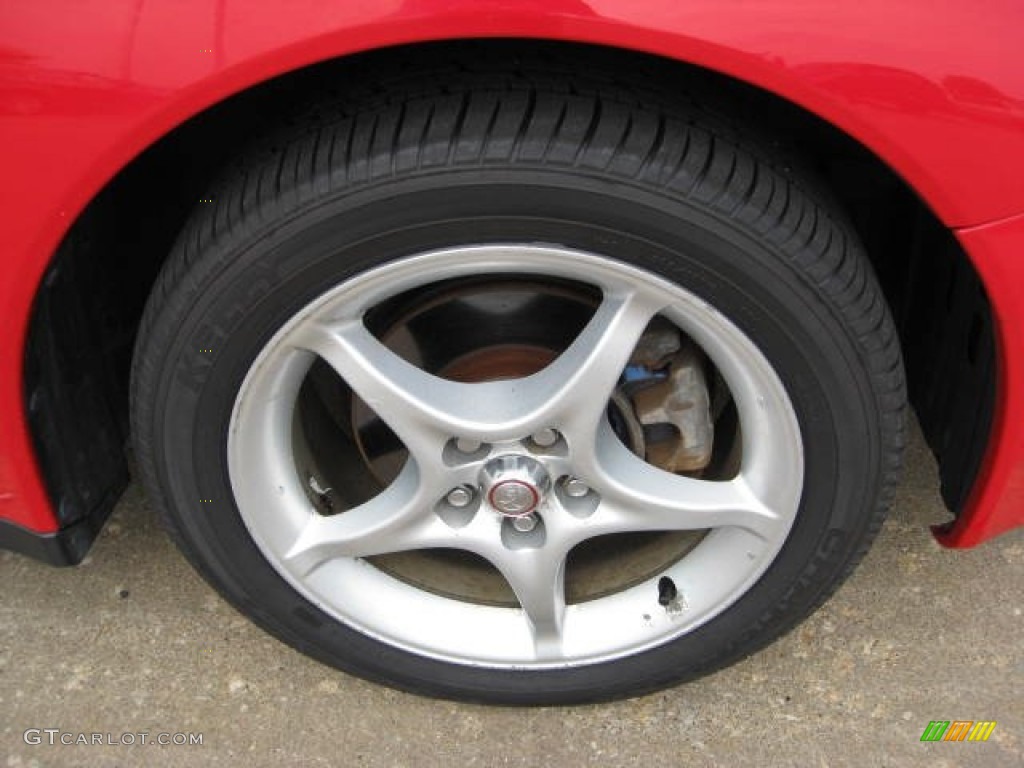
(85, 88)
(997, 501)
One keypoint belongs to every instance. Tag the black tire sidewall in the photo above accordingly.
(256, 280)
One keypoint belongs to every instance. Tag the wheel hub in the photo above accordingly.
(514, 485)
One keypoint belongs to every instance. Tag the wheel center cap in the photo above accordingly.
(514, 498)
(514, 485)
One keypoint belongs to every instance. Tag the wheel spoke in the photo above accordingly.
(397, 519)
(637, 496)
(416, 405)
(537, 576)
(419, 407)
(576, 387)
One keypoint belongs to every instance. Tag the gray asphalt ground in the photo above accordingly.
(133, 641)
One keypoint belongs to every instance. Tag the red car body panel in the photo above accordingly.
(936, 93)
(997, 501)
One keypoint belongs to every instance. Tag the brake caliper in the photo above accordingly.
(666, 385)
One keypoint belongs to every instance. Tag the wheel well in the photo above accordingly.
(90, 302)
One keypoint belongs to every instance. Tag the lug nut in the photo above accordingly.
(576, 488)
(545, 438)
(524, 524)
(465, 445)
(459, 497)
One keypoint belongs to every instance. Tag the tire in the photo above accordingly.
(387, 391)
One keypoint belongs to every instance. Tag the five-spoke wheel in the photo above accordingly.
(477, 464)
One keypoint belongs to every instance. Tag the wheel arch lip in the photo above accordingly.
(996, 502)
(162, 69)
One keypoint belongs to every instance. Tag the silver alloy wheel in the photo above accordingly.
(747, 518)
